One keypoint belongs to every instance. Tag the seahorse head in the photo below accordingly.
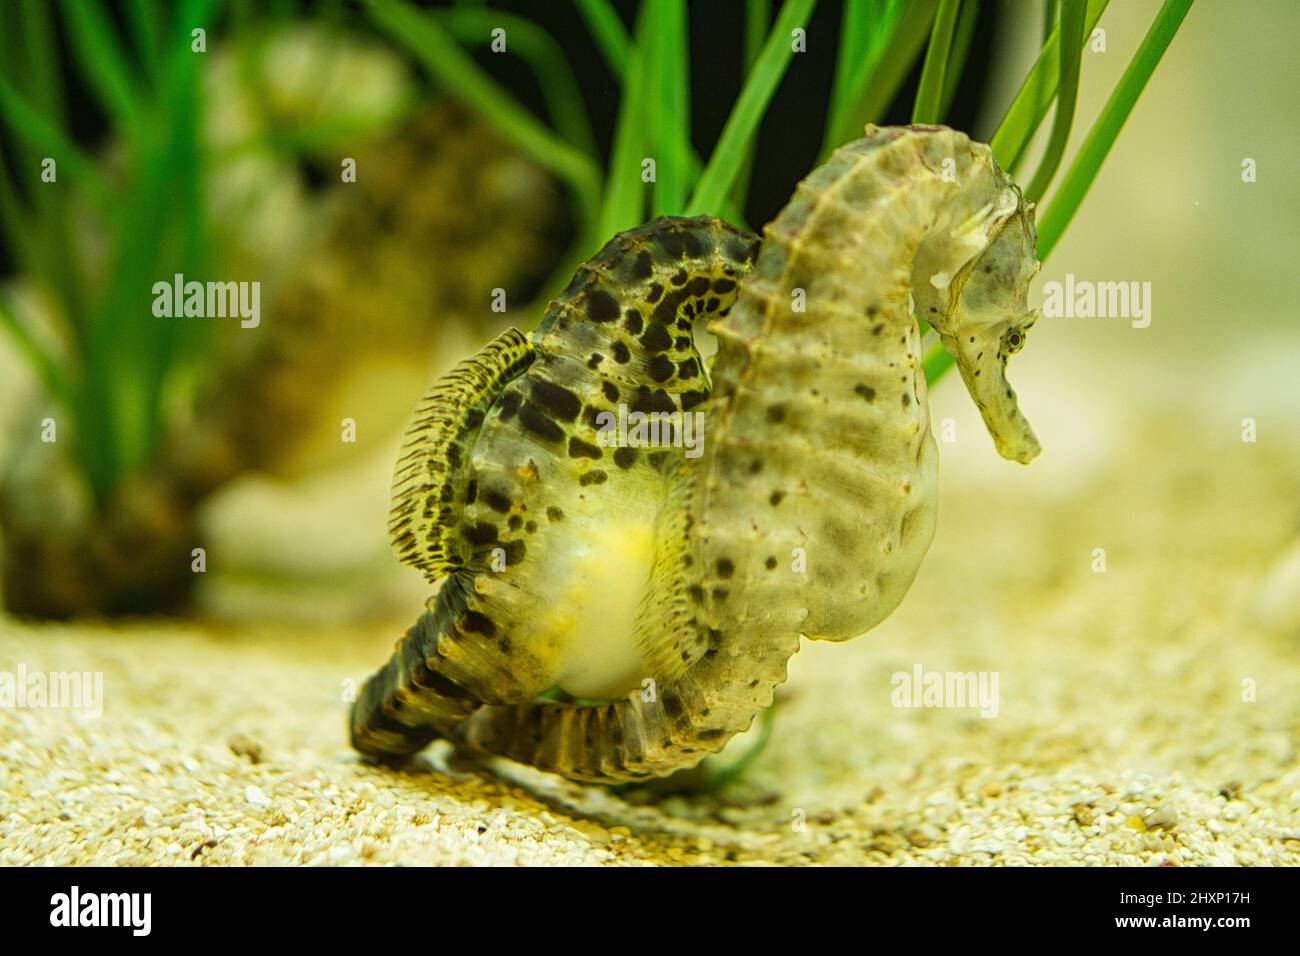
(986, 315)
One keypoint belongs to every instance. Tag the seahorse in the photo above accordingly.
(807, 515)
(541, 535)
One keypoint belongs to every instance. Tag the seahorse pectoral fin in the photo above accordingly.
(429, 482)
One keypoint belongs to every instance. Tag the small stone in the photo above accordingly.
(256, 796)
(959, 841)
(922, 837)
(244, 746)
(1161, 818)
(592, 831)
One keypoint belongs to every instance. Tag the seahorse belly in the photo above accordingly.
(609, 567)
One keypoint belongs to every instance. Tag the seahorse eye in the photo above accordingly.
(1013, 341)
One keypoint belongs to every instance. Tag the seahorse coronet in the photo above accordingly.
(677, 586)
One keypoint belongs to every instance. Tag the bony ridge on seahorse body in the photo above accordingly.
(807, 516)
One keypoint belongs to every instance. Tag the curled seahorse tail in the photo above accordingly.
(637, 738)
(412, 700)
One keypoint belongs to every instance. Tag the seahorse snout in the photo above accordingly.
(981, 355)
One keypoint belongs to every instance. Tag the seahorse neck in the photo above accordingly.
(879, 212)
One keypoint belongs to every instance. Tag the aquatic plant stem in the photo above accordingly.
(929, 93)
(1035, 96)
(1087, 162)
(607, 29)
(1073, 13)
(876, 77)
(742, 124)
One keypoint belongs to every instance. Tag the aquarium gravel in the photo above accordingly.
(1121, 736)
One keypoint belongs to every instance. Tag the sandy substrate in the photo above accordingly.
(1146, 715)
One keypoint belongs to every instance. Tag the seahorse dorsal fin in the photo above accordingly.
(429, 482)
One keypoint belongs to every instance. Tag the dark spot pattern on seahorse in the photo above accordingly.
(692, 398)
(536, 421)
(647, 400)
(581, 449)
(642, 266)
(656, 338)
(508, 405)
(480, 534)
(660, 368)
(557, 400)
(670, 241)
(602, 306)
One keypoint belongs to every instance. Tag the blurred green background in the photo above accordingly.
(225, 163)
